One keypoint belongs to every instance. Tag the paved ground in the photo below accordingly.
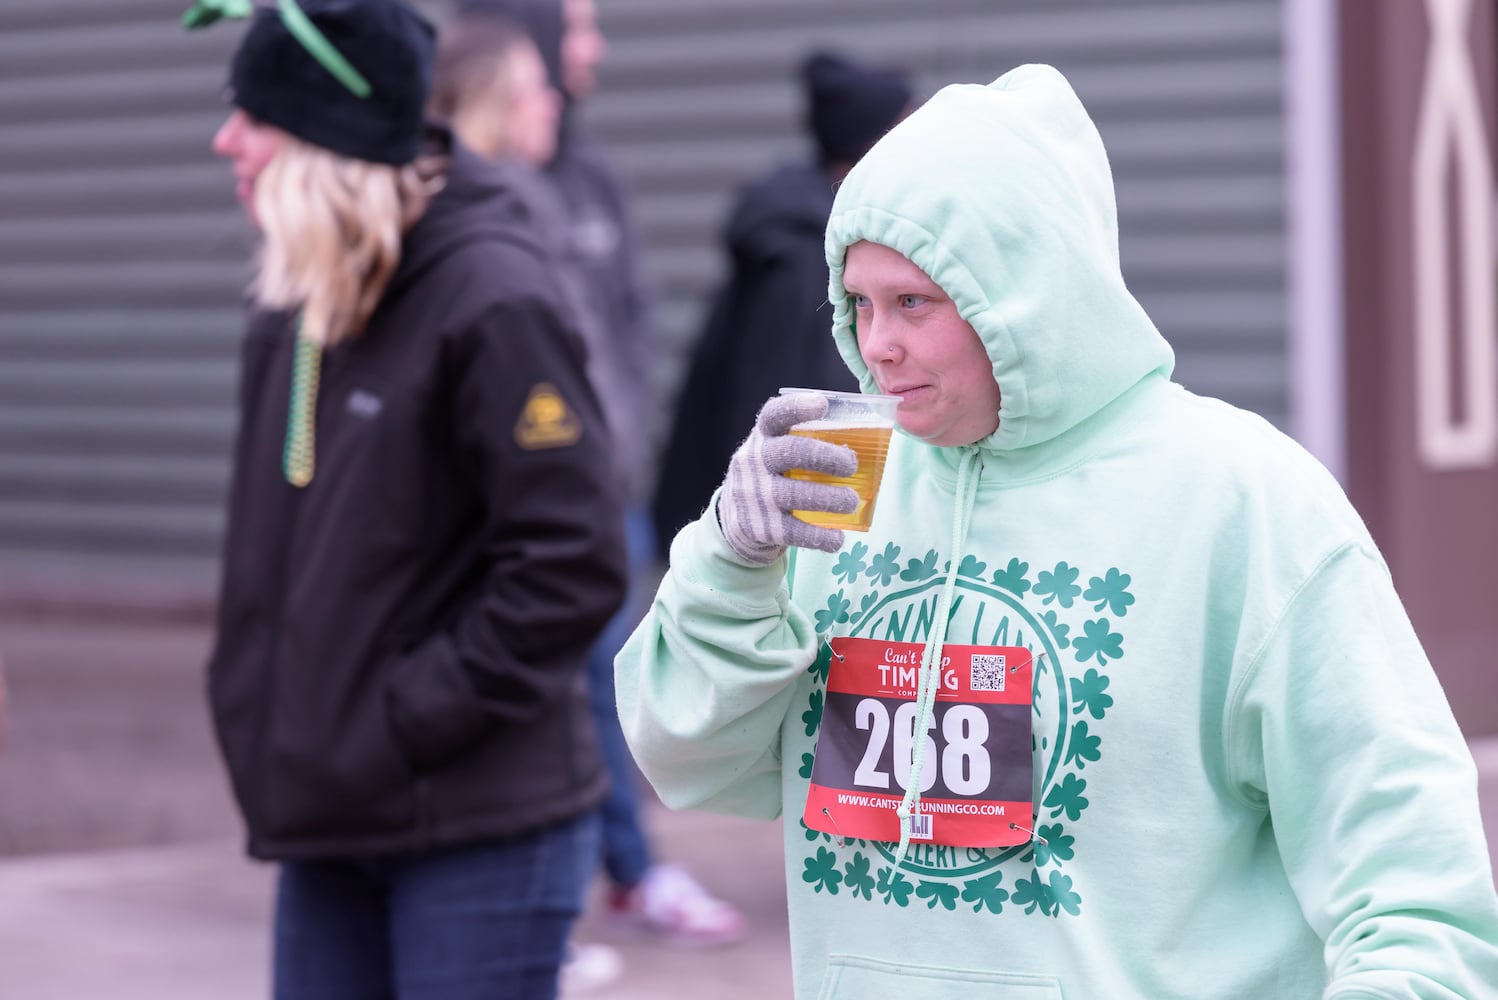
(120, 872)
(121, 876)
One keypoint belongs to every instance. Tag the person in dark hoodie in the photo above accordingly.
(602, 244)
(767, 324)
(424, 534)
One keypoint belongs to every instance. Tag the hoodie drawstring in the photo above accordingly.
(929, 679)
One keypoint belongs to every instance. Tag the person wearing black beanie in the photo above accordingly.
(424, 534)
(767, 324)
(275, 78)
(849, 105)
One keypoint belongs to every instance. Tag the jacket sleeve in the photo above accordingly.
(635, 324)
(708, 676)
(695, 459)
(531, 438)
(1341, 729)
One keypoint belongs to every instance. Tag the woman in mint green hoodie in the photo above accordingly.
(1116, 698)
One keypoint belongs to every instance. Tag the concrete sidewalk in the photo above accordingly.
(121, 876)
(190, 922)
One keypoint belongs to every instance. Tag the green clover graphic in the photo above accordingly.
(835, 613)
(972, 567)
(822, 873)
(885, 566)
(813, 714)
(857, 878)
(894, 887)
(806, 761)
(823, 662)
(850, 563)
(1084, 747)
(1031, 894)
(938, 892)
(1012, 578)
(917, 570)
(1099, 642)
(986, 893)
(1060, 892)
(1059, 585)
(1067, 798)
(1057, 846)
(1111, 592)
(1088, 692)
(1059, 629)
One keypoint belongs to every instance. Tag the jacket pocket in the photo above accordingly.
(851, 978)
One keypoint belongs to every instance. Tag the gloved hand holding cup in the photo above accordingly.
(857, 420)
(814, 452)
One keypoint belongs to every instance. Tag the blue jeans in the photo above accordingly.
(626, 851)
(484, 922)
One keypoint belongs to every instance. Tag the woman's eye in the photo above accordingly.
(859, 301)
(910, 301)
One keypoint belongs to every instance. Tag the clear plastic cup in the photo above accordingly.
(863, 422)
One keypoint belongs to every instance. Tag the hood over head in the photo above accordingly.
(784, 209)
(1003, 195)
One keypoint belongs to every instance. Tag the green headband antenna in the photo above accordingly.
(204, 12)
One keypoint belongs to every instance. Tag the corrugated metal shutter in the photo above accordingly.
(122, 257)
(122, 260)
(697, 96)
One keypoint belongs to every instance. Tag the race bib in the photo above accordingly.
(976, 779)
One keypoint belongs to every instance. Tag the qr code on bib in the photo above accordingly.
(988, 672)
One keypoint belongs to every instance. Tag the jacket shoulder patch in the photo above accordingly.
(547, 421)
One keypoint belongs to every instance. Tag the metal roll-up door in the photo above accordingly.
(123, 257)
(122, 264)
(697, 96)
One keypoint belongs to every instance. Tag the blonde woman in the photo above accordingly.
(423, 538)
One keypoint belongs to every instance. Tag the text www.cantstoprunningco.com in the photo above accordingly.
(927, 806)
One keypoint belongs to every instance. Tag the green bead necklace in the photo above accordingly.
(297, 460)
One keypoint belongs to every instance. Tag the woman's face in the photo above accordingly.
(249, 145)
(535, 108)
(918, 348)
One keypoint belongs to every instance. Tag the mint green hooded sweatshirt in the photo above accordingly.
(1247, 780)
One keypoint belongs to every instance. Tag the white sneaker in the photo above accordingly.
(588, 967)
(670, 902)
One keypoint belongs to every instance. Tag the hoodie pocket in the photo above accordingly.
(850, 978)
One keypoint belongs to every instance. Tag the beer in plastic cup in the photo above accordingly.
(863, 422)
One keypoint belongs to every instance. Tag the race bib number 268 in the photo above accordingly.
(976, 774)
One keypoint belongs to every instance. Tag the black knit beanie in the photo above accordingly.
(275, 78)
(850, 105)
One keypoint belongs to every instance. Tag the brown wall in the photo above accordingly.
(1437, 521)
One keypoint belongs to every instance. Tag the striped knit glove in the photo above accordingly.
(756, 499)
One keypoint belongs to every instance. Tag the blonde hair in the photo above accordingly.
(331, 232)
(475, 76)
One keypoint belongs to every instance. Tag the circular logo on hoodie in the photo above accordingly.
(1070, 621)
